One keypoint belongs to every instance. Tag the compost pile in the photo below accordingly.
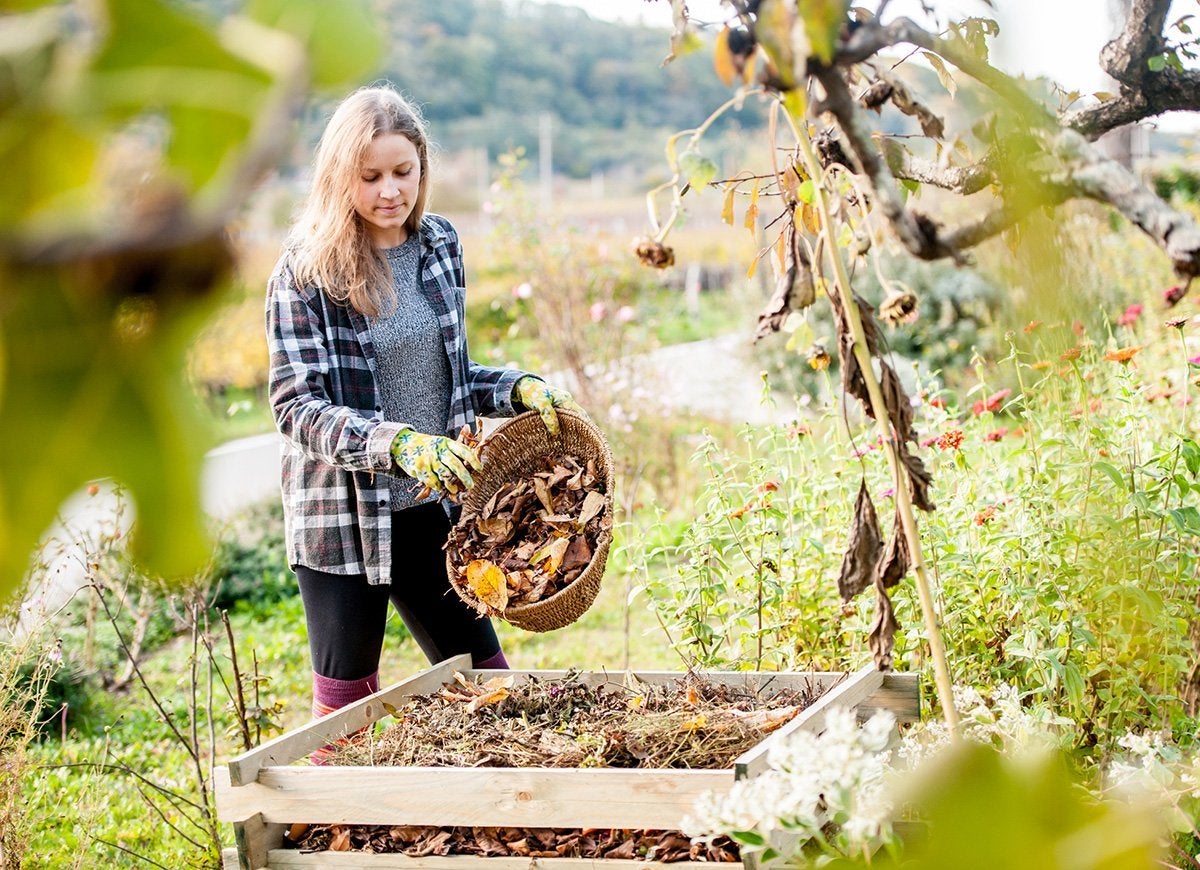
(418, 841)
(532, 538)
(571, 722)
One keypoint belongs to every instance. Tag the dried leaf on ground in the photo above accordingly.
(589, 843)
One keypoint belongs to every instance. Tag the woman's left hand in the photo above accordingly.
(537, 395)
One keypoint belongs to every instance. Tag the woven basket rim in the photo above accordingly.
(523, 615)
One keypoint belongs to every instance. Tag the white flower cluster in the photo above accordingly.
(1001, 722)
(1155, 771)
(836, 777)
(836, 790)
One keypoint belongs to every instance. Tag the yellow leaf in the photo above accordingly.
(493, 697)
(727, 207)
(552, 553)
(635, 702)
(751, 222)
(723, 58)
(695, 723)
(809, 217)
(489, 583)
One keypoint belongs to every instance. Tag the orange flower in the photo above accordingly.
(1041, 364)
(951, 440)
(1069, 354)
(1124, 354)
(986, 515)
(1032, 325)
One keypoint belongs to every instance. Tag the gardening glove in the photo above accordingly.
(537, 395)
(437, 462)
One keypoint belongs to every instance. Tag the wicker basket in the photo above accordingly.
(508, 453)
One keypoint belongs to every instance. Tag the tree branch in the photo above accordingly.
(1125, 58)
(871, 37)
(913, 234)
(1167, 90)
(1108, 181)
(963, 180)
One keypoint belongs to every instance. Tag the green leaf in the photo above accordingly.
(806, 192)
(96, 379)
(158, 58)
(1191, 455)
(343, 40)
(1186, 519)
(823, 20)
(749, 838)
(1113, 474)
(1157, 63)
(697, 168)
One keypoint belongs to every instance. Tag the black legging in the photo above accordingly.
(346, 615)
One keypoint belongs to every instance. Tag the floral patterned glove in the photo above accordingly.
(435, 461)
(537, 395)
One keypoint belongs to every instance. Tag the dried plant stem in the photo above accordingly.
(937, 650)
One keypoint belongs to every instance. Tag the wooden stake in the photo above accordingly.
(937, 651)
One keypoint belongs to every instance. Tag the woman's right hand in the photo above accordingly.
(437, 462)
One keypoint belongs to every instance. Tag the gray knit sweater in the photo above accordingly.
(410, 360)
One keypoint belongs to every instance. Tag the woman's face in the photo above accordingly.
(388, 183)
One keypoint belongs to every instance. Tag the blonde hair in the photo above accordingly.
(333, 250)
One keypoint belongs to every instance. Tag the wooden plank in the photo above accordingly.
(900, 695)
(255, 837)
(487, 797)
(290, 859)
(300, 742)
(229, 859)
(850, 693)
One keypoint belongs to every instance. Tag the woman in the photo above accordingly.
(370, 380)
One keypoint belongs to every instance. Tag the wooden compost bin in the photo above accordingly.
(263, 790)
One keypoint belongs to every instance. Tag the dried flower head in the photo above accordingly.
(1176, 322)
(899, 307)
(654, 253)
(817, 358)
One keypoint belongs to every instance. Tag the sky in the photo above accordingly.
(1056, 38)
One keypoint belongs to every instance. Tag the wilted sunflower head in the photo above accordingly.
(654, 253)
(899, 307)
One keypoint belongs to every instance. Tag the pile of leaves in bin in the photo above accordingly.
(574, 722)
(533, 537)
(418, 841)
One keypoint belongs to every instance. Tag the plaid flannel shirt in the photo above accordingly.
(324, 396)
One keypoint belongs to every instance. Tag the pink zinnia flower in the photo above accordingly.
(1131, 314)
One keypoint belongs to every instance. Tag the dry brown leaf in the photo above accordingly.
(578, 554)
(340, 841)
(593, 503)
(543, 494)
(863, 548)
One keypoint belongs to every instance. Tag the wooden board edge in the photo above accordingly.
(298, 743)
(859, 686)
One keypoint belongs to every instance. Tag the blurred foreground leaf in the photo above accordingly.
(130, 131)
(985, 809)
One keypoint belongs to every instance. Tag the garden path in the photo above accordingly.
(714, 377)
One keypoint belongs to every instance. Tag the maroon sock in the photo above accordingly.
(495, 662)
(330, 695)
